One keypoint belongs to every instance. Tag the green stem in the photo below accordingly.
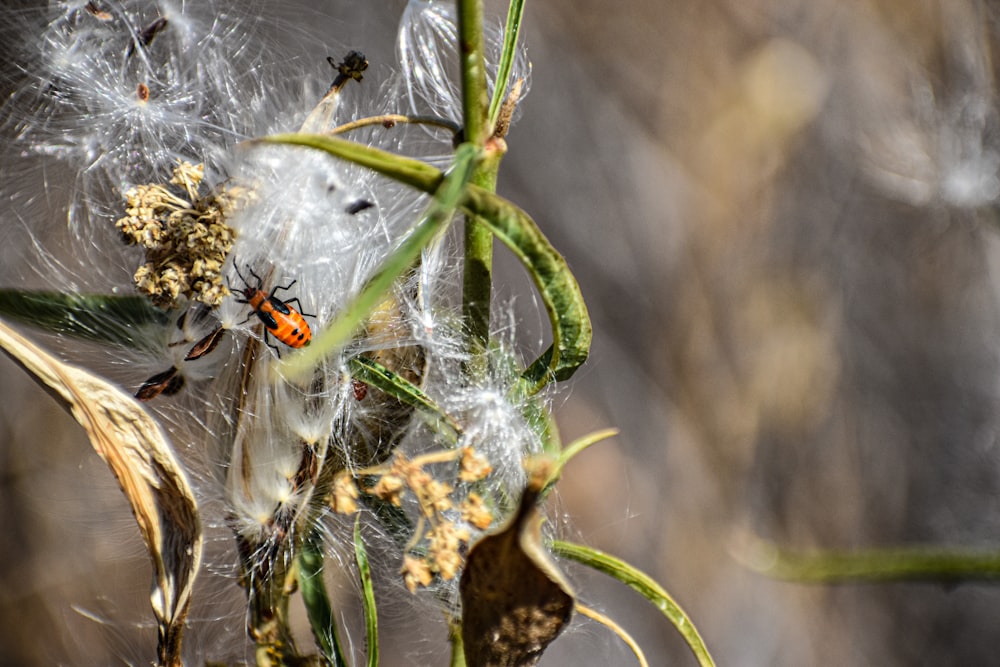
(457, 645)
(268, 614)
(478, 268)
(470, 44)
(477, 284)
(393, 119)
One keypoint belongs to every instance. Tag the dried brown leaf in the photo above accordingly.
(514, 599)
(136, 450)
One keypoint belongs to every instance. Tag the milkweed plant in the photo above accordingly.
(286, 276)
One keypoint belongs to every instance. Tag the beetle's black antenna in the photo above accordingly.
(260, 283)
(237, 267)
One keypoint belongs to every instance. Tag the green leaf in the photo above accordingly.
(510, 34)
(644, 585)
(571, 328)
(409, 171)
(368, 595)
(580, 444)
(572, 449)
(316, 600)
(439, 213)
(115, 320)
(375, 374)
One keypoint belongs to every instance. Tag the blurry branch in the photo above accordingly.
(941, 564)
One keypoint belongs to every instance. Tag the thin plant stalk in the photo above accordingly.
(457, 645)
(477, 279)
(473, 67)
(478, 268)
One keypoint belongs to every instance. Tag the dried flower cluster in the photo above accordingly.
(186, 239)
(443, 527)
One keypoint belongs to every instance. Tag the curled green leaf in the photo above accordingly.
(571, 328)
(570, 321)
(574, 448)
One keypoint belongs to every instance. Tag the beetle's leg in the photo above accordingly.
(298, 306)
(278, 287)
(273, 347)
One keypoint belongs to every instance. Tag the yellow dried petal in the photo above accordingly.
(344, 495)
(474, 511)
(389, 488)
(445, 540)
(474, 466)
(415, 573)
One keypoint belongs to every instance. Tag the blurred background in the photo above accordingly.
(781, 213)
